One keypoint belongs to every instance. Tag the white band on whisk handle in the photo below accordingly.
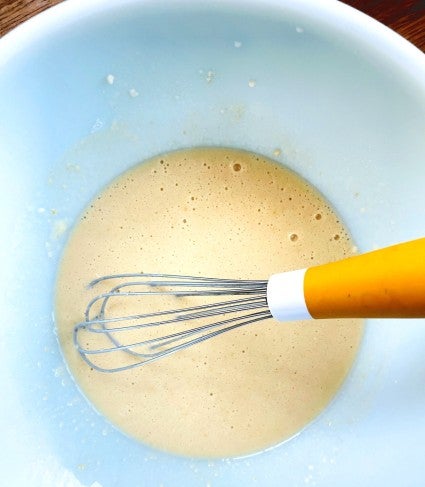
(285, 296)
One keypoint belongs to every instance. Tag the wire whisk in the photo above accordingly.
(121, 334)
(182, 311)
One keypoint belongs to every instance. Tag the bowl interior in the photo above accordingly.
(319, 84)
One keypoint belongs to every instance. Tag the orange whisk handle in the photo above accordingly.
(386, 283)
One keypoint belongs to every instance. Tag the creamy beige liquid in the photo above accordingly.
(220, 213)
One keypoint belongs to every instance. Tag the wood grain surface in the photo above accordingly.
(407, 17)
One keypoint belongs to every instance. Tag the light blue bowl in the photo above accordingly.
(341, 96)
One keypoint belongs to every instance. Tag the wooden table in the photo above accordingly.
(407, 17)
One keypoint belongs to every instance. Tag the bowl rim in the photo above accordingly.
(333, 13)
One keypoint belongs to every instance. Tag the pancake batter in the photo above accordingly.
(219, 213)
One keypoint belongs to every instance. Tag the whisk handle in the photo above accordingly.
(386, 283)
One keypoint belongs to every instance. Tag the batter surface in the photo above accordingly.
(220, 213)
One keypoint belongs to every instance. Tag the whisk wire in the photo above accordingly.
(139, 352)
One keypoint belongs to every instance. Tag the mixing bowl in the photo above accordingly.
(88, 89)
